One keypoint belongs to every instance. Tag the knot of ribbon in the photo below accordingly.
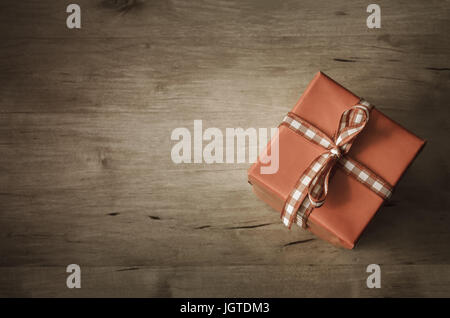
(312, 187)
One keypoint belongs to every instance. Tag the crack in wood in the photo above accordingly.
(344, 60)
(128, 269)
(298, 242)
(122, 5)
(439, 69)
(247, 226)
(202, 227)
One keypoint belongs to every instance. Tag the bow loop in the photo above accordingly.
(318, 188)
(351, 124)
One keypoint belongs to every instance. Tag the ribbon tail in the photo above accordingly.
(300, 192)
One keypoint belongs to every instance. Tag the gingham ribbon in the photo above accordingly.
(311, 188)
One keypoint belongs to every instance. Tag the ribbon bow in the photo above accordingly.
(313, 183)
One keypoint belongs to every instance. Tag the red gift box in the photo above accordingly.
(382, 149)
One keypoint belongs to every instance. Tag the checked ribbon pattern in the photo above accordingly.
(311, 188)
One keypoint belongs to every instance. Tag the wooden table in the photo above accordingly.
(86, 117)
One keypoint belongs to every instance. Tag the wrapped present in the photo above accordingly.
(339, 158)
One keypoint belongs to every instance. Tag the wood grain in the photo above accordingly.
(85, 123)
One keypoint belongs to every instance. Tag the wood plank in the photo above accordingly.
(229, 281)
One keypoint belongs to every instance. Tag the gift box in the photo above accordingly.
(339, 159)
